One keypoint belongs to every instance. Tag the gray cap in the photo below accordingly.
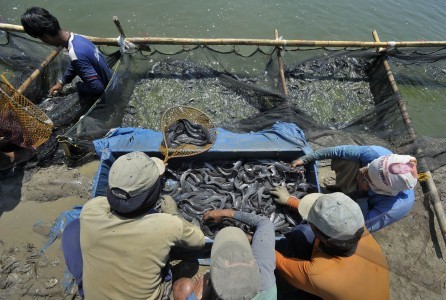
(133, 183)
(135, 173)
(235, 274)
(336, 214)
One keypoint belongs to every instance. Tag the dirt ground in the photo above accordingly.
(31, 201)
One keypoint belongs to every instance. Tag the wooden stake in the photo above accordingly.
(435, 200)
(376, 38)
(428, 184)
(118, 25)
(281, 72)
(401, 103)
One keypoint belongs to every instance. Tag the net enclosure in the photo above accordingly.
(336, 95)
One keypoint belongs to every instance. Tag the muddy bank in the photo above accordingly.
(30, 204)
(414, 247)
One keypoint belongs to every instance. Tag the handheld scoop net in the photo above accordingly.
(187, 131)
(21, 121)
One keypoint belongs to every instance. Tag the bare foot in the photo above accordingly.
(202, 287)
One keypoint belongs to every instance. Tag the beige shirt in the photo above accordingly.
(123, 257)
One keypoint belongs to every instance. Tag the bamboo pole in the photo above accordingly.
(376, 38)
(118, 25)
(427, 183)
(281, 72)
(293, 43)
(37, 72)
(11, 27)
(248, 42)
(401, 103)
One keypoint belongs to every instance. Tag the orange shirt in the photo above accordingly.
(364, 275)
(293, 202)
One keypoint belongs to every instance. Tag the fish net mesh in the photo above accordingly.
(173, 115)
(337, 96)
(22, 122)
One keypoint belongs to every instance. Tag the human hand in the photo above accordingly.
(168, 205)
(296, 163)
(280, 194)
(57, 87)
(249, 237)
(217, 215)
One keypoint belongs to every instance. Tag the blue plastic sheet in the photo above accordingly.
(61, 222)
(56, 231)
(281, 137)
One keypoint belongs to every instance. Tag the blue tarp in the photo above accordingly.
(280, 138)
(62, 221)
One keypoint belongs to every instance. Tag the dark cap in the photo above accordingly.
(131, 179)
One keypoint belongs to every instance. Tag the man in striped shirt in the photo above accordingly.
(86, 60)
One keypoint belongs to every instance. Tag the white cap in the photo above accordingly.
(392, 174)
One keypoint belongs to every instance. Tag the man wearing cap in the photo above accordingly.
(238, 270)
(381, 182)
(336, 257)
(124, 243)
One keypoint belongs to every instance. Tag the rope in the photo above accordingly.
(423, 177)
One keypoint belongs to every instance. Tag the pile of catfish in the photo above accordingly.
(242, 185)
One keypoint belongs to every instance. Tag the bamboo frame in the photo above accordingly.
(280, 61)
(428, 184)
(247, 42)
(376, 38)
(401, 103)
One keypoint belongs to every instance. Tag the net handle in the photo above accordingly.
(166, 154)
(37, 71)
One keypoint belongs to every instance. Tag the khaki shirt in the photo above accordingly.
(123, 257)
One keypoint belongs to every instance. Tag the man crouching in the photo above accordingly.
(124, 242)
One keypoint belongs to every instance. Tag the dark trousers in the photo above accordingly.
(71, 247)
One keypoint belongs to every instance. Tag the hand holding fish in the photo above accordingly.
(296, 163)
(56, 89)
(280, 194)
(217, 215)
